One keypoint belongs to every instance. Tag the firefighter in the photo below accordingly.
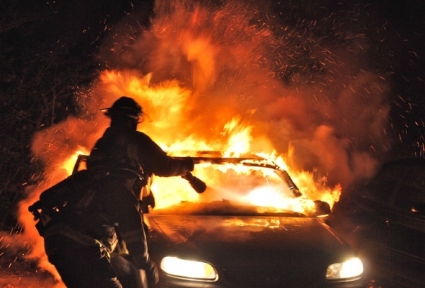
(110, 214)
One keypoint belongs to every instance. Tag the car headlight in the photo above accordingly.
(348, 269)
(188, 268)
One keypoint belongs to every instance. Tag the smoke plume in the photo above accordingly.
(291, 84)
(201, 65)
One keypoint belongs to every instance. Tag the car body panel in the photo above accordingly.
(251, 251)
(248, 245)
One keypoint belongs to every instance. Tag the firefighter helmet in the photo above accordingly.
(124, 106)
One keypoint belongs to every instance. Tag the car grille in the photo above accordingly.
(251, 277)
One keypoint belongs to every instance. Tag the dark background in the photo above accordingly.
(48, 50)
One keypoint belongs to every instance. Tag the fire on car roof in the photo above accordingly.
(206, 87)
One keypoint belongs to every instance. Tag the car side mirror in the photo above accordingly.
(321, 208)
(419, 209)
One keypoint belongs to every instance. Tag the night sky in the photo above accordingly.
(394, 31)
(50, 48)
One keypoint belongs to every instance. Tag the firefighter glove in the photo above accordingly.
(187, 164)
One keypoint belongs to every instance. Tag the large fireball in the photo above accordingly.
(213, 77)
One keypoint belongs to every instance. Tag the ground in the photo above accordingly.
(16, 271)
(24, 274)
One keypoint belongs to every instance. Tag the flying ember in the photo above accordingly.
(209, 77)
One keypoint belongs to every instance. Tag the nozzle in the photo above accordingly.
(197, 184)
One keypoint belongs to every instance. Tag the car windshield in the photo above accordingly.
(233, 187)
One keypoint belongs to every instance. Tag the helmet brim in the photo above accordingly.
(130, 113)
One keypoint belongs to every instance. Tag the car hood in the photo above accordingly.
(253, 246)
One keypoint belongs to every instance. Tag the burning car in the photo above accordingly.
(252, 227)
(248, 226)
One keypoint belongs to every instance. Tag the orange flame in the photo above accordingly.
(169, 101)
(209, 87)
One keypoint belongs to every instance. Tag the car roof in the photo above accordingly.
(217, 157)
(213, 157)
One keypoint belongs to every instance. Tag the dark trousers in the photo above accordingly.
(128, 274)
(80, 266)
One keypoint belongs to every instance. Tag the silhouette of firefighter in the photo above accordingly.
(92, 222)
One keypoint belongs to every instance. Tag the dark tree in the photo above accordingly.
(48, 51)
